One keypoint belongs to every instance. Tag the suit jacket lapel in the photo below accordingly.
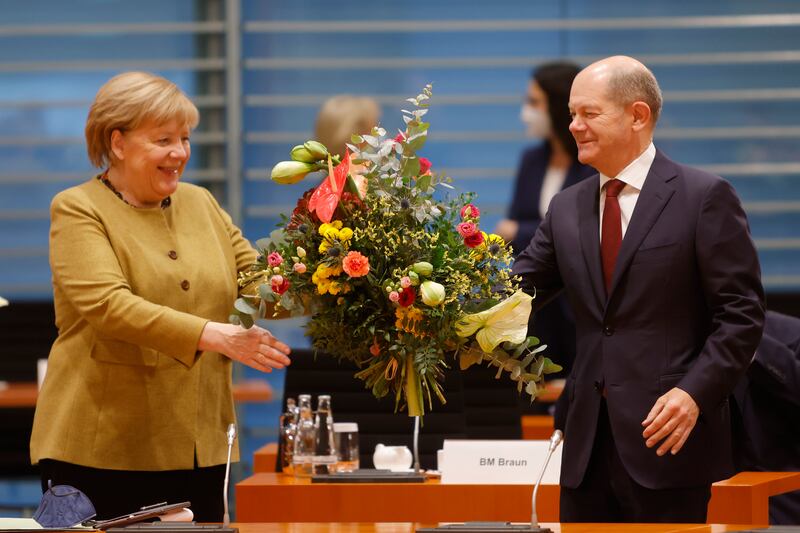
(589, 231)
(655, 194)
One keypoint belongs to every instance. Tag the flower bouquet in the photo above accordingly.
(399, 282)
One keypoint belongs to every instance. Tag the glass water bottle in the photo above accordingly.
(325, 449)
(303, 456)
(288, 433)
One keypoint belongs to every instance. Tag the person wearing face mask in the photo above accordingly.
(552, 164)
(544, 170)
(137, 397)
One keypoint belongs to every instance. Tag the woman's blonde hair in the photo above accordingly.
(125, 102)
(343, 115)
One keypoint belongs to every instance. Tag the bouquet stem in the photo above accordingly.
(416, 445)
(413, 396)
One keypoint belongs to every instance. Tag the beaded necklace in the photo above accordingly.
(165, 203)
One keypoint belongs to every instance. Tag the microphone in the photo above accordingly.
(231, 435)
(555, 440)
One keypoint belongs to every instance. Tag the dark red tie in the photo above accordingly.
(611, 234)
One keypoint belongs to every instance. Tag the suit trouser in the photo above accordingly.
(609, 494)
(119, 492)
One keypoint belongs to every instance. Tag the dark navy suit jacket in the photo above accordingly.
(528, 188)
(685, 309)
(767, 411)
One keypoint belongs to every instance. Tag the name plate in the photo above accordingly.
(499, 462)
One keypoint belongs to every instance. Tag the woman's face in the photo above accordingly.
(151, 158)
(537, 98)
(535, 114)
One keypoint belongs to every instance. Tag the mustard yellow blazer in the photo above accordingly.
(126, 388)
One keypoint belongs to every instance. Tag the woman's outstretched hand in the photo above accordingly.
(255, 347)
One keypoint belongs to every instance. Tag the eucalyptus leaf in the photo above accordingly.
(410, 168)
(417, 141)
(550, 367)
(424, 182)
(244, 307)
(265, 291)
(263, 244)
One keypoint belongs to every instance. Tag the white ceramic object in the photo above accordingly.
(394, 458)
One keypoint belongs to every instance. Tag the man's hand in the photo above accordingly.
(671, 420)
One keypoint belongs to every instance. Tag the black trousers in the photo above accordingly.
(119, 492)
(609, 494)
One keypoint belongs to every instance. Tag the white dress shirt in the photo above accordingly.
(633, 175)
(552, 183)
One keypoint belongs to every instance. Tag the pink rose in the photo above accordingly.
(466, 229)
(470, 211)
(476, 239)
(405, 282)
(424, 165)
(279, 284)
(394, 296)
(274, 259)
(300, 268)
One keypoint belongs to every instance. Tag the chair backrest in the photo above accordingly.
(27, 330)
(491, 405)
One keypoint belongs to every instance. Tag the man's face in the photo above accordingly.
(601, 127)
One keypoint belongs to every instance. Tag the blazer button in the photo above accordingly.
(173, 254)
(185, 285)
(608, 331)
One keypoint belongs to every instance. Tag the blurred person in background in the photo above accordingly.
(766, 411)
(138, 394)
(342, 116)
(545, 169)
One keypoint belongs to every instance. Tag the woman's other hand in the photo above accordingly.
(255, 347)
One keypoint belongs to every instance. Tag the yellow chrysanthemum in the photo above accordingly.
(325, 285)
(332, 234)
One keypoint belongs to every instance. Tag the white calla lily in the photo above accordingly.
(506, 321)
(3, 302)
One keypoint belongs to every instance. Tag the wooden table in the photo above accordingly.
(742, 499)
(21, 395)
(537, 427)
(299, 500)
(407, 527)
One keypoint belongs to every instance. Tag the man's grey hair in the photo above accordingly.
(629, 85)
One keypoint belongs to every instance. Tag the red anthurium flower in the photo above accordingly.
(326, 197)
